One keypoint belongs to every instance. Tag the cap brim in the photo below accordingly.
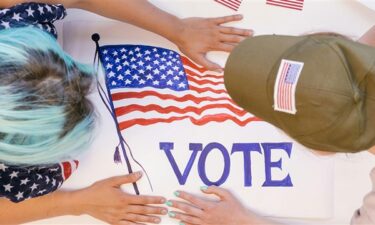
(248, 68)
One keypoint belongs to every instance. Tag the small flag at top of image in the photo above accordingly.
(290, 4)
(232, 4)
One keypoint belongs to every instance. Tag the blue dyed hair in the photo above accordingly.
(45, 116)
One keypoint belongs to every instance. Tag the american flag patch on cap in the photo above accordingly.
(285, 86)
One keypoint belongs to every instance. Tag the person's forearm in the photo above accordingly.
(368, 37)
(137, 12)
(140, 13)
(55, 204)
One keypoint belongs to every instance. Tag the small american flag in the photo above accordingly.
(285, 86)
(232, 4)
(151, 85)
(291, 4)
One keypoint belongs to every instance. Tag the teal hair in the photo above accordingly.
(45, 116)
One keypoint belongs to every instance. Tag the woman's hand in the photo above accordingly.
(201, 35)
(226, 210)
(105, 200)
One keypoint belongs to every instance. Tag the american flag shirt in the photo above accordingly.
(18, 183)
(39, 15)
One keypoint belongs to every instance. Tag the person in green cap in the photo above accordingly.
(319, 89)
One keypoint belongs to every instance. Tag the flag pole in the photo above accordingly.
(96, 37)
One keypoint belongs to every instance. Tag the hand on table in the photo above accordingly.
(225, 210)
(105, 200)
(201, 35)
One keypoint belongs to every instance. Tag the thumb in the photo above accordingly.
(125, 179)
(218, 191)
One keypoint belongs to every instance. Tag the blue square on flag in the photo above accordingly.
(292, 73)
(143, 66)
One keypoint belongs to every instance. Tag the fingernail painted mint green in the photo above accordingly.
(171, 214)
(204, 187)
(169, 203)
(181, 223)
(177, 193)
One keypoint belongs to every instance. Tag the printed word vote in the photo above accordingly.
(245, 149)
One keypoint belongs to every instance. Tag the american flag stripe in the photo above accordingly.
(232, 4)
(291, 4)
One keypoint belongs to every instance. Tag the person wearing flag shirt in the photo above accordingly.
(340, 53)
(46, 119)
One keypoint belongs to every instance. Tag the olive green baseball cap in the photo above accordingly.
(319, 89)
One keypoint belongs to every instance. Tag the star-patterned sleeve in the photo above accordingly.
(21, 183)
(39, 15)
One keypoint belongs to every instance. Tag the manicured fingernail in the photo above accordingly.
(171, 214)
(164, 211)
(156, 220)
(204, 188)
(169, 203)
(162, 200)
(181, 223)
(176, 193)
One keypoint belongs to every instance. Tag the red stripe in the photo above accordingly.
(202, 121)
(120, 111)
